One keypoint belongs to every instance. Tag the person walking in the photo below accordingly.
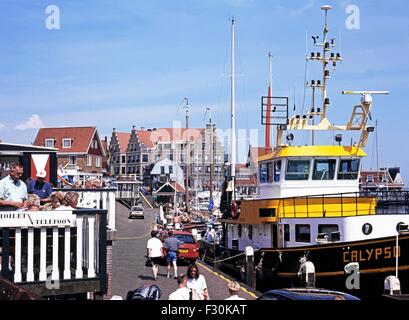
(234, 289)
(40, 187)
(154, 252)
(172, 246)
(197, 282)
(13, 191)
(183, 292)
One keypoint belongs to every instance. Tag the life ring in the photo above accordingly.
(234, 210)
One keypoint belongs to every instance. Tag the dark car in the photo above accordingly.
(306, 294)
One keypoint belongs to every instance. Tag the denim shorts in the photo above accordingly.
(171, 256)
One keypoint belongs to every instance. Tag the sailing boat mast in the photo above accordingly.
(187, 157)
(268, 119)
(233, 116)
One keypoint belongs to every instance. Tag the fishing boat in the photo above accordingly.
(311, 214)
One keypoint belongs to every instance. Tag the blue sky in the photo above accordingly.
(129, 62)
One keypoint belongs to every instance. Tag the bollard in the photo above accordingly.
(392, 286)
(249, 252)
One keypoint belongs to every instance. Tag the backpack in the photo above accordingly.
(146, 292)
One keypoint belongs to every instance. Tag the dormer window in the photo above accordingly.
(49, 143)
(369, 178)
(66, 143)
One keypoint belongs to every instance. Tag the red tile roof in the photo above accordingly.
(123, 140)
(150, 138)
(81, 138)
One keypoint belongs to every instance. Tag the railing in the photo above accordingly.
(97, 199)
(42, 250)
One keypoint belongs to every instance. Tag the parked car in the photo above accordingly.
(136, 212)
(306, 294)
(188, 249)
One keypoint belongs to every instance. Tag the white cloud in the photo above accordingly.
(2, 126)
(34, 122)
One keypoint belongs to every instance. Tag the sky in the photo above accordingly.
(114, 64)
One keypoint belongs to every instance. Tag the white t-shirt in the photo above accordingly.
(180, 294)
(199, 284)
(156, 246)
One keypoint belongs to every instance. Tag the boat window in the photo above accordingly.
(324, 169)
(277, 171)
(297, 170)
(263, 173)
(286, 232)
(270, 171)
(302, 233)
(367, 228)
(328, 229)
(348, 169)
(266, 212)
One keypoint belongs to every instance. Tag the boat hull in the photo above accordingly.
(278, 267)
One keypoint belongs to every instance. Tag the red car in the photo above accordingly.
(189, 248)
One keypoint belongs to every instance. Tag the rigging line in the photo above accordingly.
(305, 71)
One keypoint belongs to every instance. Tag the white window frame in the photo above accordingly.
(98, 161)
(89, 160)
(72, 157)
(47, 141)
(64, 140)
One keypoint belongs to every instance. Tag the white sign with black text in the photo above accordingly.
(36, 219)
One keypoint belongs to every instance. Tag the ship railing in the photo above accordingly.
(101, 198)
(344, 204)
(55, 252)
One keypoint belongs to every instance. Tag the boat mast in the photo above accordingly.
(233, 116)
(211, 126)
(268, 123)
(187, 157)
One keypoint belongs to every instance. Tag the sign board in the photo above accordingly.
(37, 219)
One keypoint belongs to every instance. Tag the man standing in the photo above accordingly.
(13, 191)
(172, 246)
(40, 187)
(154, 252)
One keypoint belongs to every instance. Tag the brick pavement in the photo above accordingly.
(129, 271)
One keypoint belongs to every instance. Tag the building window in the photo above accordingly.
(66, 143)
(348, 169)
(302, 233)
(170, 169)
(49, 143)
(369, 179)
(297, 170)
(97, 161)
(144, 158)
(123, 159)
(250, 232)
(324, 170)
(89, 160)
(123, 170)
(286, 232)
(72, 160)
(162, 170)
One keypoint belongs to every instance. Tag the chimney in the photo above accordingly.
(113, 129)
(133, 127)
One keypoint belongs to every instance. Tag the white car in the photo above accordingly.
(136, 212)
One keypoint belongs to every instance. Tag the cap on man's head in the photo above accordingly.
(41, 174)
